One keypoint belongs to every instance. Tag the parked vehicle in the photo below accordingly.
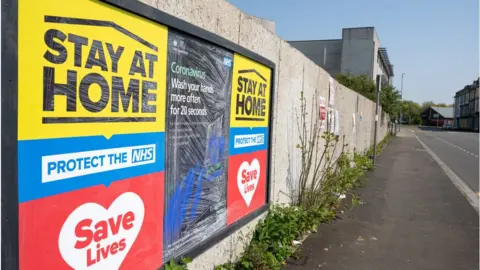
(448, 126)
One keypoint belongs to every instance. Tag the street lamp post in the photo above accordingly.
(401, 88)
(379, 88)
(401, 96)
(401, 101)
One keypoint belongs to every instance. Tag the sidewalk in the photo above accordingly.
(413, 218)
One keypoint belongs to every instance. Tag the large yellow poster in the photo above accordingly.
(251, 89)
(87, 68)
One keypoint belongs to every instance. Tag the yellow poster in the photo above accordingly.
(251, 89)
(87, 68)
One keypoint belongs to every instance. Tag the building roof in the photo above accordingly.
(446, 112)
(386, 61)
(467, 88)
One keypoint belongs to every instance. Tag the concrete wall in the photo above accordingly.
(294, 73)
(268, 24)
(325, 53)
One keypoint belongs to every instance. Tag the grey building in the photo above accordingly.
(357, 52)
(467, 107)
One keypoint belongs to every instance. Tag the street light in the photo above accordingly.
(401, 101)
(379, 88)
(401, 88)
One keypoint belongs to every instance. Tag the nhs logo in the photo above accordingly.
(227, 61)
(143, 154)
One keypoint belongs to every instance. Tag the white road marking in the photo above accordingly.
(472, 198)
(456, 146)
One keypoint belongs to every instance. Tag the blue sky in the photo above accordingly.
(435, 42)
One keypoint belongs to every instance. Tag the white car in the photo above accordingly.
(448, 126)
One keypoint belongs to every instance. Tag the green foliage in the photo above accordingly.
(361, 84)
(364, 85)
(356, 200)
(181, 266)
(390, 100)
(411, 111)
(427, 104)
(381, 145)
(272, 240)
(363, 162)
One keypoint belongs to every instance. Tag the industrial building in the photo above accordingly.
(466, 107)
(437, 116)
(358, 52)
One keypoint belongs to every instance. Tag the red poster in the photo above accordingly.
(115, 227)
(323, 109)
(247, 174)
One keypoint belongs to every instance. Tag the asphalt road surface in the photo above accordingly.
(458, 150)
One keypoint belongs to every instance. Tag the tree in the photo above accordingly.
(364, 85)
(412, 111)
(427, 104)
(390, 100)
(361, 84)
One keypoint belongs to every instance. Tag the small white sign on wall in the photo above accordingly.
(354, 131)
(331, 120)
(331, 91)
(337, 123)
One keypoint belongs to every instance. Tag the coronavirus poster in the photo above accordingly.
(199, 82)
(91, 137)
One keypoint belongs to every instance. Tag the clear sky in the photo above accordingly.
(435, 42)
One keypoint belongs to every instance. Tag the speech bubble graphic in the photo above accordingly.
(247, 179)
(93, 237)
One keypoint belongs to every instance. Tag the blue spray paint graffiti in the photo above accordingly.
(182, 202)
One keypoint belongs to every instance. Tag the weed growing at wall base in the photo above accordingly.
(182, 265)
(313, 204)
(272, 241)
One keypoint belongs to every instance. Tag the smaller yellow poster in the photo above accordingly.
(251, 88)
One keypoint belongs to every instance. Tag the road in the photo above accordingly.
(458, 150)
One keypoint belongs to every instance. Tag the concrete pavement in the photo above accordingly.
(413, 218)
(458, 150)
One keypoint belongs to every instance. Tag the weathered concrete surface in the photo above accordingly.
(227, 250)
(413, 218)
(257, 38)
(286, 161)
